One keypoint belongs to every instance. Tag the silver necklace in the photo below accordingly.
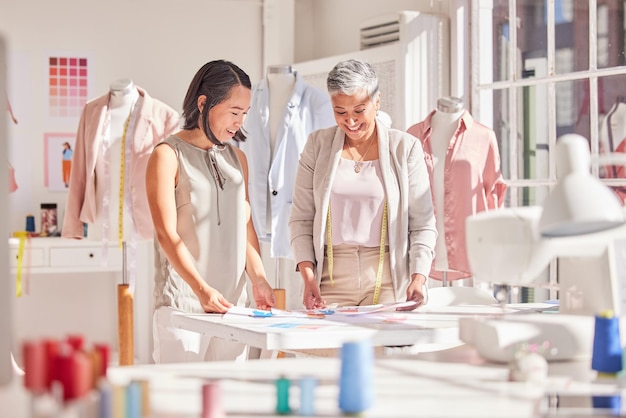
(357, 163)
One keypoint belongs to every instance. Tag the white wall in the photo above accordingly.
(331, 27)
(325, 28)
(159, 44)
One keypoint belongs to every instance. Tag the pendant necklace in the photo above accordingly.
(357, 163)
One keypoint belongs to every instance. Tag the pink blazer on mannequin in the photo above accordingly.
(155, 122)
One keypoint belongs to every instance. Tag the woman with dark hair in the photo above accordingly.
(205, 244)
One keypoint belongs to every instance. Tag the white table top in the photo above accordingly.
(427, 328)
(450, 383)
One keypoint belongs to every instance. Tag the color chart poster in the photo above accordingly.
(70, 84)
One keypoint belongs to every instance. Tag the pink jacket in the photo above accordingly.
(473, 183)
(155, 122)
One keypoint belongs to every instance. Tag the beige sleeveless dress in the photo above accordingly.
(212, 224)
(211, 220)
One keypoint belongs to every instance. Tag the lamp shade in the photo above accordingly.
(579, 203)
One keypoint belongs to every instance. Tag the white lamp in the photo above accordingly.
(579, 203)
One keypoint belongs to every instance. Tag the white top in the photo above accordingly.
(122, 100)
(444, 126)
(357, 203)
(280, 85)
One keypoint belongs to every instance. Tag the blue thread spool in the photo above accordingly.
(613, 403)
(282, 396)
(607, 351)
(356, 392)
(30, 223)
(105, 407)
(307, 396)
(133, 400)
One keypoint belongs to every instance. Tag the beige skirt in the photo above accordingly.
(354, 274)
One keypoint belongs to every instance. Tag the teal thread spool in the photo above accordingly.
(282, 396)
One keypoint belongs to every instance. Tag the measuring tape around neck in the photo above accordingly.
(120, 217)
(381, 252)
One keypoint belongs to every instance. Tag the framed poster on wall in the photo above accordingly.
(58, 151)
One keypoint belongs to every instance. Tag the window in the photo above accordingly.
(544, 68)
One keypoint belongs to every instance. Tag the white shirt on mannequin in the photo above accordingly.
(123, 96)
(444, 122)
(280, 80)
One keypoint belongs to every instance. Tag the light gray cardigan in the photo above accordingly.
(411, 218)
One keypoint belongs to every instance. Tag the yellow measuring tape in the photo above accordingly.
(120, 215)
(381, 253)
(22, 235)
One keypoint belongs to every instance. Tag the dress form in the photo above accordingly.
(444, 124)
(122, 98)
(280, 81)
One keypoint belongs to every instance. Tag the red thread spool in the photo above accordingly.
(73, 371)
(51, 348)
(77, 342)
(35, 367)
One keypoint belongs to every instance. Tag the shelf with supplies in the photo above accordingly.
(64, 255)
(56, 269)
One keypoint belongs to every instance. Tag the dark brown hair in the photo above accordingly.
(215, 80)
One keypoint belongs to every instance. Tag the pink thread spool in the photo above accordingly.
(212, 401)
(35, 367)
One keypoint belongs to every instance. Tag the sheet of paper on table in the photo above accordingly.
(316, 313)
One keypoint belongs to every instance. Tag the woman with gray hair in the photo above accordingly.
(362, 223)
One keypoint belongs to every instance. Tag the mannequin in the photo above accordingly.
(444, 123)
(283, 112)
(280, 81)
(463, 162)
(612, 137)
(123, 96)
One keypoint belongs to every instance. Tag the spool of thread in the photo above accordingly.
(613, 403)
(34, 355)
(105, 354)
(105, 408)
(356, 390)
(51, 347)
(119, 401)
(76, 341)
(95, 358)
(30, 223)
(607, 351)
(307, 396)
(145, 397)
(212, 401)
(73, 371)
(282, 396)
(133, 400)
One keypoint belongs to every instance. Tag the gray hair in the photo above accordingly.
(351, 76)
